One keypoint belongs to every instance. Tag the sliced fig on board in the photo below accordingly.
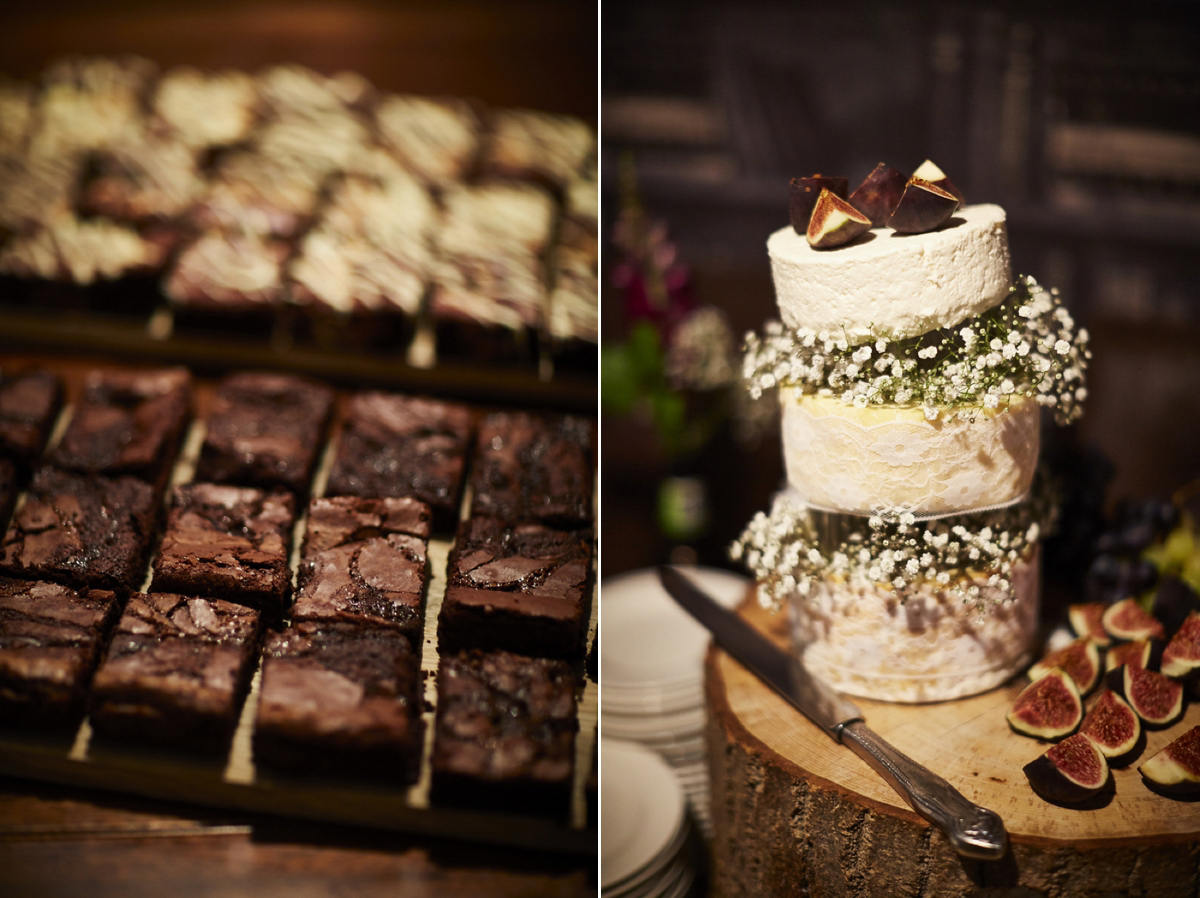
(1128, 620)
(1136, 653)
(1085, 620)
(1175, 769)
(1181, 656)
(1114, 727)
(1080, 658)
(1070, 772)
(1048, 708)
(1157, 699)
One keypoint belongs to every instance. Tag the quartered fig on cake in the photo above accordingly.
(1128, 620)
(1181, 656)
(930, 172)
(1085, 620)
(1070, 772)
(1114, 727)
(923, 207)
(835, 222)
(1157, 699)
(1175, 769)
(879, 193)
(1080, 659)
(1048, 708)
(803, 194)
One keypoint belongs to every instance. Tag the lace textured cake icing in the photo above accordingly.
(897, 285)
(931, 646)
(863, 459)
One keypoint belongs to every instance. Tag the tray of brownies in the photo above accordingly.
(297, 449)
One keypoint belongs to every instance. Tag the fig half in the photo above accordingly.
(1069, 772)
(1136, 653)
(802, 197)
(1128, 620)
(1085, 620)
(1175, 769)
(1048, 708)
(1181, 657)
(834, 222)
(923, 207)
(1158, 700)
(1113, 726)
(934, 175)
(1079, 658)
(879, 193)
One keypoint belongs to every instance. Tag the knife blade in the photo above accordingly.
(973, 831)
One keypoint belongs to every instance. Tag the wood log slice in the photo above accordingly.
(796, 814)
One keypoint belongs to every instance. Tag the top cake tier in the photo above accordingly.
(891, 284)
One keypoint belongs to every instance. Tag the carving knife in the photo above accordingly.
(974, 832)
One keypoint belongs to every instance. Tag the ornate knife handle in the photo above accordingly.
(973, 831)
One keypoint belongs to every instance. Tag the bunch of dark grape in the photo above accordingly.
(1118, 569)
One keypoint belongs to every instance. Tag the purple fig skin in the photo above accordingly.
(1157, 700)
(1070, 772)
(923, 207)
(802, 197)
(934, 175)
(876, 197)
(835, 222)
(1114, 727)
(1048, 708)
(1176, 768)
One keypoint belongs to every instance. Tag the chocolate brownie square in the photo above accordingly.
(175, 673)
(572, 316)
(504, 733)
(531, 467)
(259, 195)
(438, 138)
(395, 446)
(475, 327)
(50, 640)
(541, 146)
(84, 530)
(231, 284)
(127, 422)
(265, 430)
(342, 701)
(29, 405)
(205, 109)
(365, 561)
(518, 587)
(229, 542)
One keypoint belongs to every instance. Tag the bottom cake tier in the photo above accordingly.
(931, 646)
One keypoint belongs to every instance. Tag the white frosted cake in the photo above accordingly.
(911, 372)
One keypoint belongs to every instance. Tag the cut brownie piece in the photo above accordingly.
(29, 404)
(504, 736)
(531, 467)
(535, 145)
(227, 541)
(229, 283)
(176, 672)
(254, 194)
(84, 530)
(436, 138)
(396, 446)
(341, 701)
(50, 641)
(365, 560)
(127, 422)
(572, 317)
(517, 587)
(265, 430)
(205, 109)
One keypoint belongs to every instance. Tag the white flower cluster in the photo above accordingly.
(1026, 346)
(793, 546)
(701, 354)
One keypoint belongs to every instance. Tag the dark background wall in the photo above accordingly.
(1083, 121)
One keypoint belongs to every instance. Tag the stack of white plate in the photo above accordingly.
(652, 671)
(648, 846)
